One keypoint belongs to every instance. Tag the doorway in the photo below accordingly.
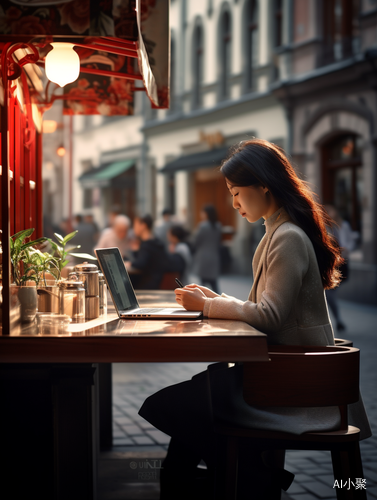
(342, 178)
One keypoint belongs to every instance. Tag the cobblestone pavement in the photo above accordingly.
(134, 437)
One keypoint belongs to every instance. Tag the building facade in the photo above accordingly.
(300, 73)
(329, 92)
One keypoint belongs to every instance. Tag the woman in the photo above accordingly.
(207, 248)
(177, 237)
(294, 263)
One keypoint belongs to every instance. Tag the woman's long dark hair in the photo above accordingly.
(257, 162)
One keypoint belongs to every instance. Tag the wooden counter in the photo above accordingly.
(56, 390)
(111, 340)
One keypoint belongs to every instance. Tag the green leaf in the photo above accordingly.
(65, 263)
(54, 245)
(21, 235)
(69, 250)
(29, 278)
(59, 238)
(35, 242)
(69, 237)
(83, 256)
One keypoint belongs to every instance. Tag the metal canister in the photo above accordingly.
(88, 274)
(72, 300)
(102, 295)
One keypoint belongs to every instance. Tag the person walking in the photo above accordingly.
(206, 246)
(85, 237)
(296, 260)
(342, 232)
(162, 227)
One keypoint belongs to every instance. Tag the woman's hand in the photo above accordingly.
(192, 299)
(207, 292)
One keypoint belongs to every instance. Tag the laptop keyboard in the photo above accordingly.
(147, 311)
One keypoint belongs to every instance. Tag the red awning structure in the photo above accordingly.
(123, 46)
(119, 43)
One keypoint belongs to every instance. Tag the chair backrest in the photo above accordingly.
(343, 342)
(303, 376)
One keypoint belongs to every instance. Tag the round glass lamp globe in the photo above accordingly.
(62, 64)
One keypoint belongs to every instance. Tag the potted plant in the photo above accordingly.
(48, 292)
(24, 271)
(39, 264)
(61, 252)
(30, 264)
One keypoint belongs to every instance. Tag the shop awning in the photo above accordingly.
(196, 161)
(102, 176)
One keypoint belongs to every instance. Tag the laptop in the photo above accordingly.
(123, 294)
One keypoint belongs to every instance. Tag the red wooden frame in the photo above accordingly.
(21, 160)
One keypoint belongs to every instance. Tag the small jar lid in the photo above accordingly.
(71, 285)
(86, 267)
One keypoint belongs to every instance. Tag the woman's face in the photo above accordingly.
(252, 202)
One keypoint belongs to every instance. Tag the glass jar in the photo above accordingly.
(52, 324)
(102, 295)
(72, 300)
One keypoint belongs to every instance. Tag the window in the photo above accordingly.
(343, 178)
(197, 65)
(225, 55)
(340, 29)
(252, 40)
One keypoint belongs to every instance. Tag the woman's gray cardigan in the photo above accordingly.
(287, 302)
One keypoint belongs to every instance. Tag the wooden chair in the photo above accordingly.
(300, 376)
(343, 342)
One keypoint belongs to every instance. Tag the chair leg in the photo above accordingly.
(356, 468)
(275, 460)
(347, 467)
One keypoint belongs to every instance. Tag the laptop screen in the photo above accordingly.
(117, 278)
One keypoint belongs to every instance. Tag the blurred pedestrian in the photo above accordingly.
(114, 211)
(117, 236)
(64, 227)
(206, 245)
(177, 237)
(162, 227)
(150, 259)
(89, 219)
(342, 232)
(85, 235)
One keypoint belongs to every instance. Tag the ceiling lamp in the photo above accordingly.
(62, 64)
(60, 151)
